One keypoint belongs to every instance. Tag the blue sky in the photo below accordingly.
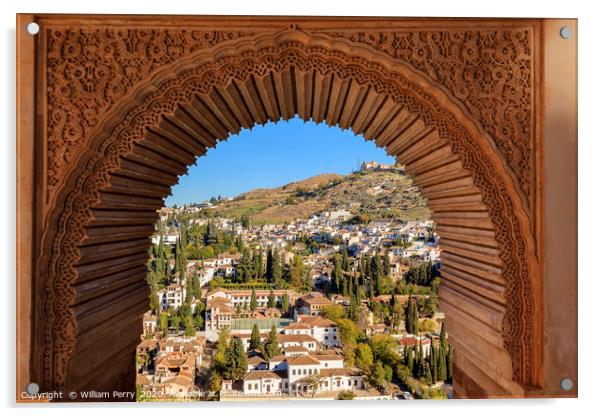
(273, 155)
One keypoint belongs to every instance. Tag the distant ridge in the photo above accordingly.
(372, 193)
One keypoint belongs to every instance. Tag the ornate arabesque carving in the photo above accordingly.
(90, 70)
(82, 189)
(489, 71)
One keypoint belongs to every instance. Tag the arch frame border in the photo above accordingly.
(26, 148)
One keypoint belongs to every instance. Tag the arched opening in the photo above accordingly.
(276, 226)
(97, 241)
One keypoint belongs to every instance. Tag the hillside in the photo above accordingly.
(379, 194)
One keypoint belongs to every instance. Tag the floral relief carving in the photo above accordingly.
(88, 71)
(489, 71)
(81, 192)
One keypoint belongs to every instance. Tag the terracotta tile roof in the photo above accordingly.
(148, 344)
(302, 360)
(278, 358)
(297, 325)
(224, 305)
(316, 321)
(175, 359)
(256, 360)
(329, 357)
(265, 374)
(411, 341)
(282, 338)
(316, 299)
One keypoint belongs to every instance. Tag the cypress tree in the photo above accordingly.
(195, 285)
(358, 291)
(386, 265)
(236, 360)
(345, 264)
(433, 364)
(269, 272)
(285, 303)
(448, 363)
(344, 288)
(428, 378)
(271, 300)
(271, 347)
(415, 317)
(253, 304)
(443, 337)
(255, 341)
(442, 365)
(276, 269)
(163, 323)
(336, 276)
(408, 318)
(258, 265)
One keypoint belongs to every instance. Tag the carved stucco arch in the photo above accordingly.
(439, 128)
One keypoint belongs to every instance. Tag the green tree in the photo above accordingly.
(273, 268)
(271, 347)
(345, 263)
(386, 263)
(163, 323)
(427, 325)
(215, 383)
(195, 285)
(236, 360)
(377, 377)
(176, 321)
(257, 265)
(276, 268)
(364, 358)
(219, 357)
(253, 304)
(349, 335)
(442, 360)
(346, 395)
(212, 236)
(198, 321)
(448, 364)
(427, 374)
(296, 273)
(255, 342)
(411, 316)
(376, 274)
(244, 268)
(336, 276)
(333, 312)
(384, 347)
(285, 303)
(189, 329)
(269, 264)
(245, 220)
(443, 337)
(271, 299)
